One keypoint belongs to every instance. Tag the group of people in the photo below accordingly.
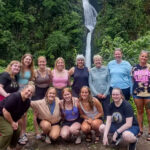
(71, 102)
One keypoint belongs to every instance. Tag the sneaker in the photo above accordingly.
(78, 140)
(47, 140)
(25, 138)
(132, 146)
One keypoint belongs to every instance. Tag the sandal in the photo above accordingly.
(140, 134)
(148, 138)
(96, 139)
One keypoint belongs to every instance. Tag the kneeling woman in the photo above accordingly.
(12, 108)
(120, 121)
(48, 114)
(72, 121)
(91, 111)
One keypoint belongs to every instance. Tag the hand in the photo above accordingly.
(14, 125)
(105, 141)
(103, 96)
(7, 94)
(115, 136)
(89, 120)
(99, 95)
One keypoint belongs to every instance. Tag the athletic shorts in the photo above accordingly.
(134, 129)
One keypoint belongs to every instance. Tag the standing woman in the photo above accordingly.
(71, 117)
(26, 74)
(91, 111)
(48, 114)
(80, 75)
(121, 121)
(141, 89)
(99, 82)
(11, 110)
(120, 74)
(42, 78)
(60, 76)
(8, 79)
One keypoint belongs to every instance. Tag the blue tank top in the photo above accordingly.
(71, 114)
(23, 80)
(81, 77)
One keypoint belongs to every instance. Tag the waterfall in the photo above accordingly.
(90, 15)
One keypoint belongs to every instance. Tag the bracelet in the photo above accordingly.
(117, 132)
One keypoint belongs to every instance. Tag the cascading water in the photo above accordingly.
(90, 15)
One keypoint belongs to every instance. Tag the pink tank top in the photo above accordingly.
(60, 82)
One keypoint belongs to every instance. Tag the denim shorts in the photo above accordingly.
(134, 129)
(140, 97)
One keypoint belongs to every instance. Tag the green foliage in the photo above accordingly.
(125, 24)
(131, 49)
(49, 27)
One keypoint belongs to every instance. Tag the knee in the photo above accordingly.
(96, 124)
(54, 136)
(45, 126)
(128, 136)
(74, 131)
(65, 135)
(101, 128)
(86, 128)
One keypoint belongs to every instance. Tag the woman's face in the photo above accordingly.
(143, 58)
(116, 95)
(60, 64)
(51, 95)
(84, 93)
(42, 63)
(67, 96)
(27, 61)
(15, 68)
(118, 56)
(28, 92)
(80, 62)
(97, 62)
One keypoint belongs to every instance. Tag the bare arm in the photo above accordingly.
(71, 72)
(107, 127)
(99, 108)
(8, 117)
(127, 125)
(3, 92)
(82, 115)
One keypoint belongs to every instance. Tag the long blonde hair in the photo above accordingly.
(8, 69)
(31, 66)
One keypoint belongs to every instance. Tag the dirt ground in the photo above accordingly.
(34, 144)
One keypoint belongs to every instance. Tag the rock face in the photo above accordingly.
(34, 144)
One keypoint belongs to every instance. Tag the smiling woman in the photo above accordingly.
(48, 114)
(11, 110)
(8, 79)
(120, 74)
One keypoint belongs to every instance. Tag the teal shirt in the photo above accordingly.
(99, 81)
(25, 79)
(120, 74)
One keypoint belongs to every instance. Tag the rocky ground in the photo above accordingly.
(34, 144)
